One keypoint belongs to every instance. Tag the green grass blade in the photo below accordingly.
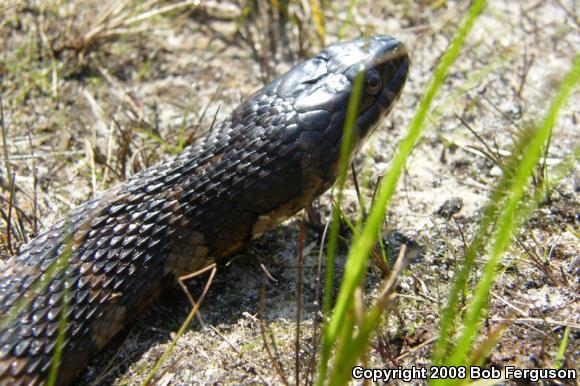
(562, 348)
(319, 23)
(509, 218)
(37, 287)
(63, 260)
(458, 289)
(345, 151)
(348, 21)
(362, 245)
(347, 355)
(480, 353)
(489, 214)
(195, 307)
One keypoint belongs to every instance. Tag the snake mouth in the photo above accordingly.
(392, 63)
(395, 71)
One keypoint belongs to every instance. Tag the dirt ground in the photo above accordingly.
(81, 119)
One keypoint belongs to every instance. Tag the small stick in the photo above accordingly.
(34, 190)
(358, 194)
(195, 307)
(274, 362)
(299, 301)
(9, 222)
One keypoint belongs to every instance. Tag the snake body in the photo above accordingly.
(276, 153)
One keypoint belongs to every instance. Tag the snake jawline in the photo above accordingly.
(276, 153)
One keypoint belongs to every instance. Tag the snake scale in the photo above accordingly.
(273, 156)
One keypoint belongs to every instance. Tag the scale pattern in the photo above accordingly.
(122, 249)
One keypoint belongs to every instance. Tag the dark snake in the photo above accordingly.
(275, 154)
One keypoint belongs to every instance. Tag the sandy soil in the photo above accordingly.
(88, 120)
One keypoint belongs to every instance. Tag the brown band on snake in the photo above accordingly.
(276, 153)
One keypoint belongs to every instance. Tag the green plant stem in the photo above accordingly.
(509, 219)
(344, 160)
(363, 244)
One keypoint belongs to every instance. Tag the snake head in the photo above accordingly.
(297, 122)
(320, 88)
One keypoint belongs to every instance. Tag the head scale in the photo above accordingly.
(320, 88)
(307, 106)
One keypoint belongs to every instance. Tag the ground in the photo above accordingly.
(121, 88)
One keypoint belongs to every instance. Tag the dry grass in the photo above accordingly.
(93, 92)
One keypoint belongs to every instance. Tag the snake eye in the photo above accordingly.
(374, 84)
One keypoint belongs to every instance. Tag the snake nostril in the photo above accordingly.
(274, 155)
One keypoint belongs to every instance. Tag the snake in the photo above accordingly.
(112, 256)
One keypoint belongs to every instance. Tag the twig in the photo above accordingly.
(5, 140)
(112, 364)
(539, 320)
(493, 156)
(413, 349)
(9, 222)
(316, 321)
(195, 307)
(257, 367)
(10, 176)
(267, 273)
(299, 302)
(34, 189)
(273, 360)
(504, 115)
(358, 193)
(525, 71)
